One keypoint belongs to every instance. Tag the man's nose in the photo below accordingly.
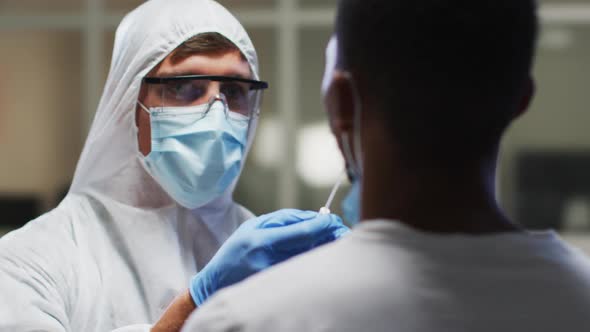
(214, 89)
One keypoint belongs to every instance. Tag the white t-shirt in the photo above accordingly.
(387, 277)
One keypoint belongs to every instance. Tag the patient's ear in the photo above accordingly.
(527, 97)
(339, 103)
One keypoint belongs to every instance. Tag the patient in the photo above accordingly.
(419, 99)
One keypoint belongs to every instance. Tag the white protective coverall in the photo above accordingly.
(117, 250)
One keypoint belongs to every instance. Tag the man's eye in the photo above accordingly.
(185, 91)
(233, 91)
(179, 89)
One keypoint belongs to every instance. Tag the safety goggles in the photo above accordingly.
(242, 96)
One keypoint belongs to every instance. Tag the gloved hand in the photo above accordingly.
(262, 242)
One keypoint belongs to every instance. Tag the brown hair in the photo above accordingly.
(204, 43)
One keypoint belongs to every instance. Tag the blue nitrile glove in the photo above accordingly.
(262, 242)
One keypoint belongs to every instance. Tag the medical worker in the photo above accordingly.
(151, 200)
(420, 96)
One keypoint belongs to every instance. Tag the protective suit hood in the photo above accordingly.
(109, 163)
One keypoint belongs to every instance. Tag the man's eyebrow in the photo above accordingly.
(173, 73)
(237, 75)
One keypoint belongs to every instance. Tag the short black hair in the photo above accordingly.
(448, 75)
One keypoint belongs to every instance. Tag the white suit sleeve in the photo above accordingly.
(214, 316)
(135, 328)
(32, 281)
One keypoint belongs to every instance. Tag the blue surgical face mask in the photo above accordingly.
(197, 151)
(351, 205)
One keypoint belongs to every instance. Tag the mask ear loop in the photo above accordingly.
(351, 167)
(140, 157)
(357, 127)
(143, 107)
(135, 127)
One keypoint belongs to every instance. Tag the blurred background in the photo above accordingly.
(55, 58)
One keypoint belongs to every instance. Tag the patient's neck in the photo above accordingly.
(458, 199)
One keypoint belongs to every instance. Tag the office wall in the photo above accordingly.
(559, 114)
(40, 134)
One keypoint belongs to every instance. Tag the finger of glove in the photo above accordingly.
(285, 217)
(278, 218)
(304, 235)
(341, 232)
(336, 234)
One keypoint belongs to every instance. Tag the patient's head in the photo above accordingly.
(443, 79)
